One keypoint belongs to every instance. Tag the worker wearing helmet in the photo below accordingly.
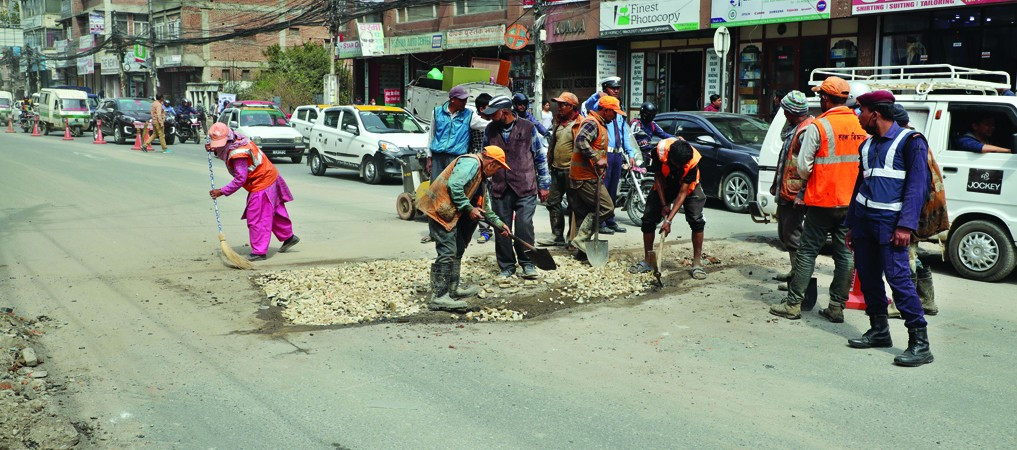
(520, 107)
(645, 129)
(857, 89)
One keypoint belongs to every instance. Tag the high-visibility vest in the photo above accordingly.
(664, 148)
(791, 181)
(883, 174)
(581, 168)
(437, 204)
(836, 165)
(261, 173)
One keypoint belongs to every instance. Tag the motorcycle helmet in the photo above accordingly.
(856, 89)
(647, 112)
(520, 98)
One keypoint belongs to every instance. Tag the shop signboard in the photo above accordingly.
(96, 23)
(637, 78)
(568, 24)
(711, 84)
(108, 65)
(490, 36)
(545, 3)
(884, 6)
(393, 96)
(607, 64)
(417, 43)
(372, 39)
(86, 65)
(739, 13)
(349, 49)
(619, 18)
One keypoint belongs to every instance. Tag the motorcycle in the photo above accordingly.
(635, 188)
(26, 121)
(187, 127)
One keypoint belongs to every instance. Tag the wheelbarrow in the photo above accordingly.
(416, 182)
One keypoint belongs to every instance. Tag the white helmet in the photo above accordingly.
(857, 89)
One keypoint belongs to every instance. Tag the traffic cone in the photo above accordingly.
(35, 129)
(856, 300)
(98, 133)
(10, 124)
(137, 140)
(148, 145)
(67, 131)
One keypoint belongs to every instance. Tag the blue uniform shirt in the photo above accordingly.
(646, 132)
(969, 143)
(619, 125)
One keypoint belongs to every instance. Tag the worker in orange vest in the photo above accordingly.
(828, 165)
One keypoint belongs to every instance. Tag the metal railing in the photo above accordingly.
(921, 79)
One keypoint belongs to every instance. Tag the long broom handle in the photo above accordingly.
(215, 202)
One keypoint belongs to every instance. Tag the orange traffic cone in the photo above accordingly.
(35, 128)
(856, 300)
(67, 131)
(98, 133)
(10, 124)
(148, 145)
(137, 140)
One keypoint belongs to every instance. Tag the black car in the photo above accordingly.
(118, 116)
(729, 144)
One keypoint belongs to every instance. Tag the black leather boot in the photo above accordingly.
(877, 336)
(918, 349)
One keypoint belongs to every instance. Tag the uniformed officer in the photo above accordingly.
(882, 218)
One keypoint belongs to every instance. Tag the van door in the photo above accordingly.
(325, 136)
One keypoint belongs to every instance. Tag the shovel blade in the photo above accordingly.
(596, 252)
(541, 258)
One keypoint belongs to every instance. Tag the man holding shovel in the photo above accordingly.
(456, 192)
(586, 194)
(675, 165)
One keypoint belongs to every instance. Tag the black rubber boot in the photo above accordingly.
(926, 292)
(877, 336)
(455, 290)
(918, 349)
(785, 277)
(441, 276)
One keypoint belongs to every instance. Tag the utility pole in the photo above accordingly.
(538, 59)
(121, 54)
(151, 46)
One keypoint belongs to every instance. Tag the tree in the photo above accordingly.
(11, 18)
(296, 74)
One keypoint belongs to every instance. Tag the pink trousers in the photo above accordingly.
(266, 215)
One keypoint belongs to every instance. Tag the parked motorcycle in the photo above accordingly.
(635, 187)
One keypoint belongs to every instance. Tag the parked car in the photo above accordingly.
(118, 116)
(6, 107)
(729, 144)
(60, 108)
(268, 128)
(368, 139)
(303, 119)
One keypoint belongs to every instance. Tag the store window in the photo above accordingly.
(479, 6)
(980, 38)
(415, 13)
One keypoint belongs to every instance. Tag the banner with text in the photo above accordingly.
(882, 6)
(372, 39)
(739, 13)
(491, 36)
(641, 16)
(607, 64)
(418, 43)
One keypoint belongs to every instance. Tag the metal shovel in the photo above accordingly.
(596, 249)
(540, 256)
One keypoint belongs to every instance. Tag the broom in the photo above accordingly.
(232, 257)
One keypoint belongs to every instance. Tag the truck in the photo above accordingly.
(424, 94)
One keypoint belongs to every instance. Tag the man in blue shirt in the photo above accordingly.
(449, 135)
(618, 146)
(975, 140)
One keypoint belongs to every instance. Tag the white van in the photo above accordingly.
(303, 119)
(59, 106)
(943, 103)
(6, 106)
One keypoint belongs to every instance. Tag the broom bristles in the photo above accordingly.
(232, 257)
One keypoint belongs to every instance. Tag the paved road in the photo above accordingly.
(160, 338)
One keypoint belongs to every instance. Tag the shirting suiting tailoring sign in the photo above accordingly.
(739, 13)
(985, 181)
(882, 6)
(641, 16)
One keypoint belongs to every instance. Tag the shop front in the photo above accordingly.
(980, 36)
(571, 35)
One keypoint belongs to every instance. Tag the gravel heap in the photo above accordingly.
(27, 416)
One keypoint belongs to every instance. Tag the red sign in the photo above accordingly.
(517, 37)
(393, 96)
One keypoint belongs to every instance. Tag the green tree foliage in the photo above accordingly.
(296, 75)
(11, 18)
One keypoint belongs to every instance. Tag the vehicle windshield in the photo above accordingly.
(69, 104)
(262, 118)
(92, 103)
(5, 102)
(390, 122)
(134, 105)
(741, 130)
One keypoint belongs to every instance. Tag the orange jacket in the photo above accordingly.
(261, 173)
(581, 168)
(836, 166)
(664, 147)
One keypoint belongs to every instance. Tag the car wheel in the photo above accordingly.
(981, 250)
(737, 191)
(405, 206)
(77, 131)
(118, 135)
(297, 159)
(370, 170)
(317, 164)
(44, 129)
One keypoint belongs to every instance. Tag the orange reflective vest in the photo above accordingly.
(790, 180)
(664, 148)
(836, 165)
(581, 168)
(437, 204)
(261, 173)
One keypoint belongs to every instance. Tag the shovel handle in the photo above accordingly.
(525, 244)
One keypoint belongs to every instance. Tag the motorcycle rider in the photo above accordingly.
(644, 128)
(520, 107)
(184, 113)
(202, 118)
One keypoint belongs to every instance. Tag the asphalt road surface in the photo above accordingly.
(167, 349)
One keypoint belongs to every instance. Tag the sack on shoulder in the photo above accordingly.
(933, 218)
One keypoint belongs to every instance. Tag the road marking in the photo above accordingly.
(89, 156)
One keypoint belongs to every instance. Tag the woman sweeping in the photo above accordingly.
(267, 192)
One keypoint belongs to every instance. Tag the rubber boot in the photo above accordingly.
(877, 336)
(834, 313)
(441, 275)
(584, 233)
(784, 278)
(892, 311)
(454, 289)
(917, 352)
(926, 292)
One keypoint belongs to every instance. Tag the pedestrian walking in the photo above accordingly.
(449, 135)
(882, 218)
(589, 162)
(828, 166)
(267, 192)
(620, 149)
(546, 115)
(787, 184)
(515, 193)
(560, 157)
(675, 167)
(158, 124)
(454, 204)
